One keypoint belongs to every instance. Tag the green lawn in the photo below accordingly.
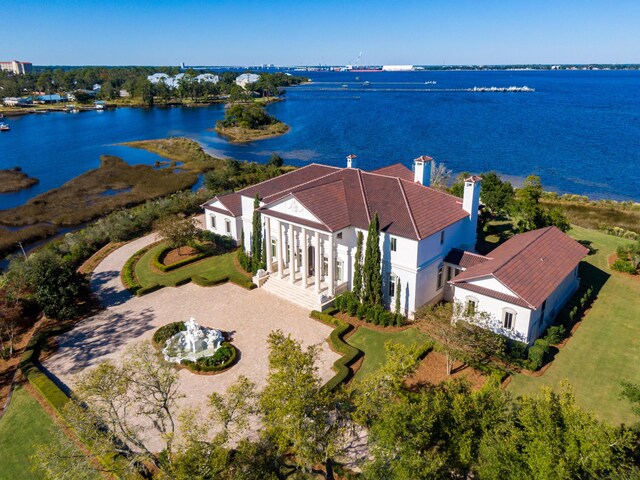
(606, 347)
(212, 268)
(371, 342)
(24, 425)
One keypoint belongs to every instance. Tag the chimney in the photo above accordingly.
(422, 170)
(471, 198)
(351, 161)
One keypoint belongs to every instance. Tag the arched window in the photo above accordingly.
(508, 318)
(471, 306)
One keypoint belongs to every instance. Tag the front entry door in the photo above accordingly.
(311, 260)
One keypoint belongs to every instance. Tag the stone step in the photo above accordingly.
(292, 293)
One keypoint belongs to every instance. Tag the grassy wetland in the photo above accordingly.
(14, 180)
(113, 185)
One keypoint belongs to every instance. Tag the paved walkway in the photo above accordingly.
(249, 315)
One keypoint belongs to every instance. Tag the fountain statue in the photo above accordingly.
(193, 343)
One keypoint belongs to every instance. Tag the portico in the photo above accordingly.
(304, 256)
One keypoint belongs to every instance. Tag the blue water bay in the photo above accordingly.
(579, 130)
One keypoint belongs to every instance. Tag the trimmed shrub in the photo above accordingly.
(148, 289)
(361, 311)
(624, 266)
(399, 320)
(223, 358)
(517, 350)
(555, 334)
(205, 282)
(350, 353)
(167, 331)
(537, 352)
(128, 275)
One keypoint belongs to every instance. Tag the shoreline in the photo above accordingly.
(237, 135)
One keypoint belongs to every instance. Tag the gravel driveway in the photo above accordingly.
(248, 315)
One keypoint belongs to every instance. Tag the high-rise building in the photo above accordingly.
(16, 67)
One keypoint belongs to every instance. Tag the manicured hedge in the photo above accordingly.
(158, 257)
(148, 289)
(349, 353)
(205, 282)
(128, 275)
(222, 359)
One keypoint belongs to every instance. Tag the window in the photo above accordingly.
(394, 244)
(449, 273)
(213, 222)
(339, 235)
(274, 250)
(392, 285)
(325, 266)
(227, 223)
(471, 306)
(339, 268)
(441, 237)
(440, 272)
(508, 318)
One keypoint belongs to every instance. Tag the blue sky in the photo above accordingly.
(244, 32)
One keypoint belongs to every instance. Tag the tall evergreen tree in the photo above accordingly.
(398, 293)
(372, 277)
(256, 240)
(357, 267)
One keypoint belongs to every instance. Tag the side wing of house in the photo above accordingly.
(508, 314)
(220, 220)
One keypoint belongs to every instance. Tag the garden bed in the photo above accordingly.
(432, 370)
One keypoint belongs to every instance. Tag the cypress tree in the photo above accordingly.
(357, 268)
(372, 277)
(398, 293)
(256, 241)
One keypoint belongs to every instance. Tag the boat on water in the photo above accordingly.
(345, 86)
(4, 127)
(430, 82)
(366, 84)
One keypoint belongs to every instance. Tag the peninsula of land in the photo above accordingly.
(14, 180)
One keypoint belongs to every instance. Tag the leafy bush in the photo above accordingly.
(517, 350)
(128, 275)
(223, 358)
(555, 334)
(244, 260)
(623, 266)
(167, 331)
(148, 289)
(537, 353)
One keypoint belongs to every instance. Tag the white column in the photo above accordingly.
(267, 254)
(279, 250)
(305, 261)
(292, 251)
(317, 260)
(331, 266)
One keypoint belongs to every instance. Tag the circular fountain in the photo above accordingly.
(193, 343)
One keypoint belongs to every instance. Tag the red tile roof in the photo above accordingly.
(464, 259)
(340, 197)
(532, 265)
(396, 170)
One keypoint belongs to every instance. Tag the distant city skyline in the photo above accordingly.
(224, 32)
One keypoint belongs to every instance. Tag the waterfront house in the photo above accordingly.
(53, 98)
(247, 78)
(16, 102)
(311, 218)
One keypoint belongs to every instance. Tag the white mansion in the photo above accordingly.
(311, 217)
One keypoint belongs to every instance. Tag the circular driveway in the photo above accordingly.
(249, 315)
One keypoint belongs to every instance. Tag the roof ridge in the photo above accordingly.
(309, 187)
(406, 202)
(288, 173)
(431, 188)
(374, 172)
(473, 253)
(303, 183)
(364, 194)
